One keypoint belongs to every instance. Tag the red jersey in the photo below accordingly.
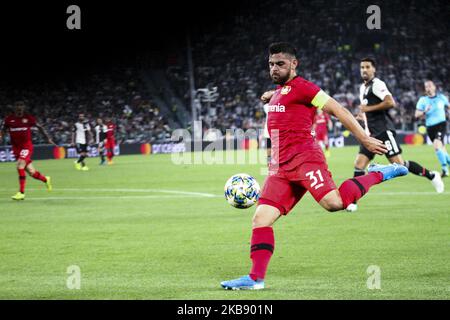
(111, 129)
(290, 118)
(19, 129)
(321, 122)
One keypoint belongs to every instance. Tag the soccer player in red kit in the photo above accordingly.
(298, 164)
(322, 123)
(19, 126)
(110, 140)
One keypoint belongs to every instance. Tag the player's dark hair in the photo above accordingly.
(371, 60)
(282, 47)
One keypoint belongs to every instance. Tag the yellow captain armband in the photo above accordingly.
(320, 99)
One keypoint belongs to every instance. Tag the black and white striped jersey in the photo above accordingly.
(373, 93)
(81, 130)
(100, 133)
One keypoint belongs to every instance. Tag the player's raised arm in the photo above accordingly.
(44, 133)
(334, 108)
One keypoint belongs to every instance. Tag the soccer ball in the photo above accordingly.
(242, 191)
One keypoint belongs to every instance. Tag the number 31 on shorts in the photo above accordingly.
(315, 177)
(24, 153)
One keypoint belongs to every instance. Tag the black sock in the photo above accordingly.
(417, 169)
(359, 172)
(102, 156)
(81, 159)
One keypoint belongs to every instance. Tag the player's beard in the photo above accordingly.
(281, 80)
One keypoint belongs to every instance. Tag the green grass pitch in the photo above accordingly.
(146, 228)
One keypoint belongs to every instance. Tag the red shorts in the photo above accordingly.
(285, 186)
(110, 144)
(23, 153)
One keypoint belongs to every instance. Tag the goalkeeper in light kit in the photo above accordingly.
(19, 127)
(298, 164)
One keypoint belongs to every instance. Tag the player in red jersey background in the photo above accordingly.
(322, 123)
(19, 125)
(298, 164)
(110, 140)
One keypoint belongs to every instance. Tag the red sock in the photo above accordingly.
(262, 246)
(22, 179)
(352, 190)
(37, 175)
(109, 155)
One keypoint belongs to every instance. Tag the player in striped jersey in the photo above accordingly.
(376, 100)
(81, 137)
(100, 139)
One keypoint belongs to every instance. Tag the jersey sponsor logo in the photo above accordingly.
(285, 90)
(276, 108)
(18, 129)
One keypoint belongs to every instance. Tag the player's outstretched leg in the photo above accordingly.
(261, 249)
(38, 176)
(433, 176)
(352, 190)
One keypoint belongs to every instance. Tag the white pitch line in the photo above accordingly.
(201, 194)
(102, 198)
(407, 193)
(176, 192)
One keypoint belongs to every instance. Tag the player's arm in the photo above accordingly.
(386, 104)
(419, 114)
(332, 107)
(266, 96)
(91, 137)
(447, 104)
(44, 133)
(72, 140)
(421, 109)
(380, 90)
